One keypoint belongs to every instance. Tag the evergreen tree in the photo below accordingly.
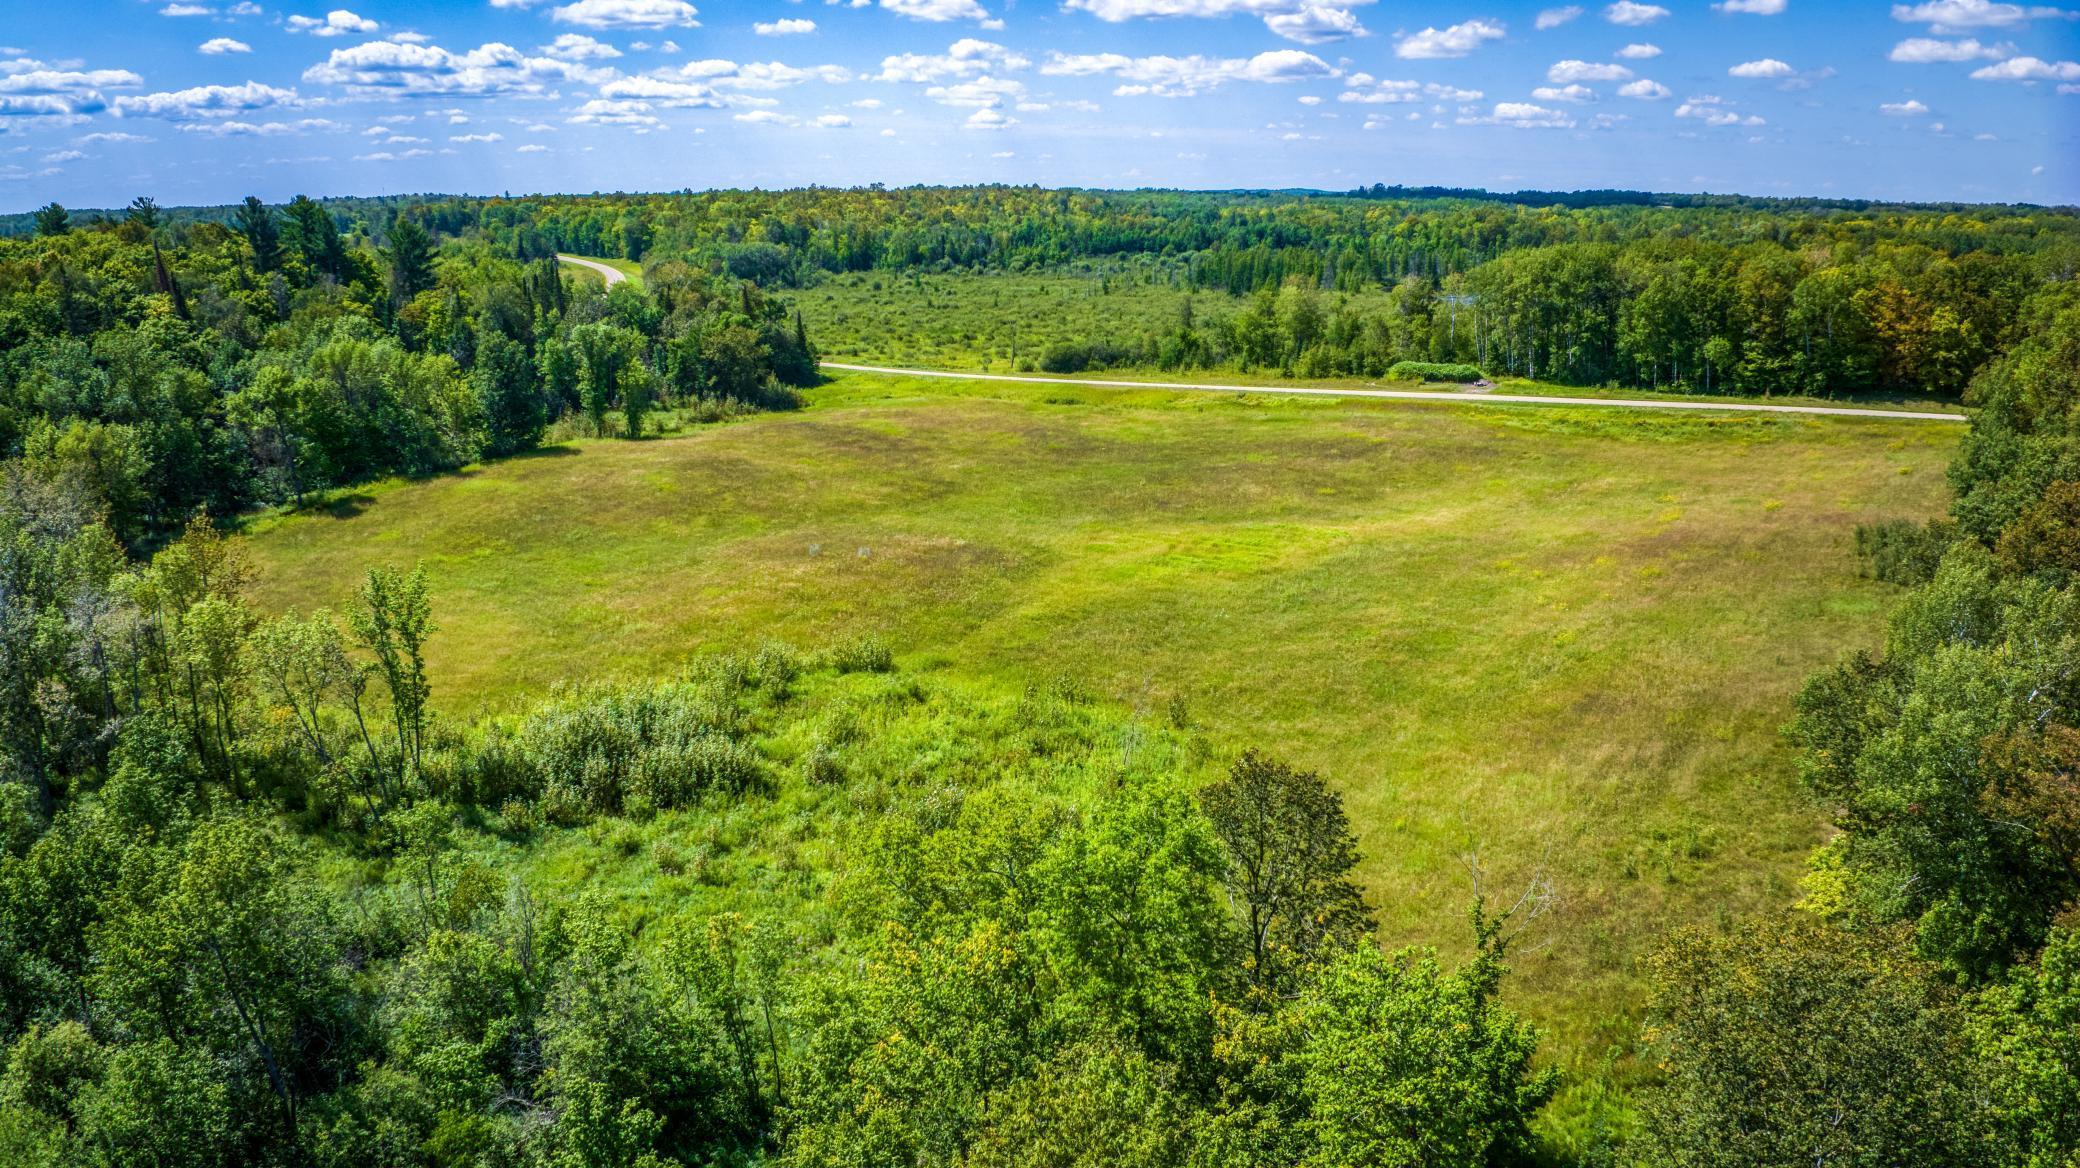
(257, 224)
(411, 261)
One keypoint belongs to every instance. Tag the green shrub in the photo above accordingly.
(822, 767)
(776, 667)
(668, 858)
(867, 654)
(655, 748)
(676, 773)
(520, 817)
(1900, 551)
(1434, 371)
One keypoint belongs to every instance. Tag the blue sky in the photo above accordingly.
(210, 100)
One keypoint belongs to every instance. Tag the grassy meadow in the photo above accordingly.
(1558, 639)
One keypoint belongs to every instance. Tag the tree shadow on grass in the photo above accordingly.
(345, 505)
(348, 502)
(476, 468)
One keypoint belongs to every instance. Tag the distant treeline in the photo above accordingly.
(1743, 296)
(1712, 293)
(1665, 313)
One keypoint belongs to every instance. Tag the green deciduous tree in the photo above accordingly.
(2026, 1031)
(1916, 755)
(1796, 1043)
(225, 942)
(1404, 1063)
(1290, 855)
(510, 396)
(392, 619)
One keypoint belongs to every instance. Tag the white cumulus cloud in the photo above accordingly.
(1644, 90)
(1632, 15)
(1185, 76)
(338, 22)
(1315, 24)
(388, 67)
(1767, 67)
(207, 101)
(1714, 110)
(1639, 52)
(1903, 109)
(576, 46)
(1927, 50)
(1456, 41)
(1365, 89)
(216, 46)
(941, 11)
(788, 27)
(646, 14)
(664, 93)
(758, 74)
(1571, 70)
(1951, 15)
(1751, 7)
(1555, 17)
(238, 129)
(1522, 115)
(984, 92)
(962, 58)
(602, 111)
(2029, 69)
(1306, 21)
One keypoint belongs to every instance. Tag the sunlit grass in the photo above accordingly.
(1557, 639)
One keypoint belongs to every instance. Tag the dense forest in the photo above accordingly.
(1682, 292)
(175, 366)
(1713, 295)
(259, 896)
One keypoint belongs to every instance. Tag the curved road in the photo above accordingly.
(613, 275)
(1471, 399)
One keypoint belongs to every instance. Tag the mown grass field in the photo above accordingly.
(1559, 639)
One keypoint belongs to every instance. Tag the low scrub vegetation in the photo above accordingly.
(1433, 371)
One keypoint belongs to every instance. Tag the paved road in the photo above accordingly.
(613, 275)
(1469, 399)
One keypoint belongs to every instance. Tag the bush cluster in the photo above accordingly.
(1434, 371)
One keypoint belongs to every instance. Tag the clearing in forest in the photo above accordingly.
(1551, 637)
